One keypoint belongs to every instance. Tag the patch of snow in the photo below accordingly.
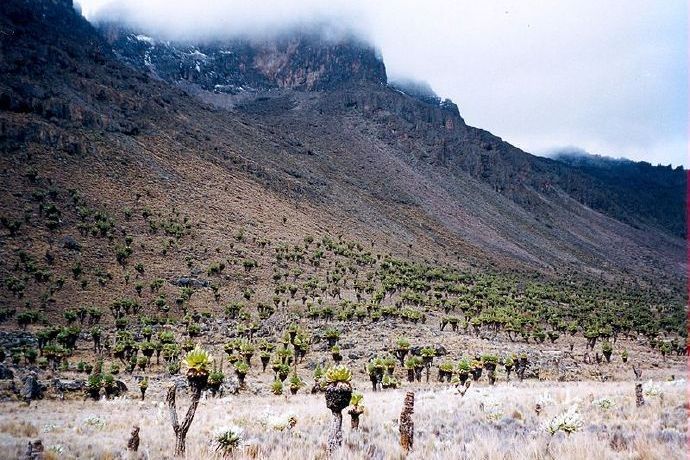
(145, 38)
(198, 55)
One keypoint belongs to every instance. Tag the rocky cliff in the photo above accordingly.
(302, 60)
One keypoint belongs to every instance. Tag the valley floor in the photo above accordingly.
(500, 422)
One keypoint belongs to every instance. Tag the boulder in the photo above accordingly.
(68, 386)
(185, 281)
(70, 243)
(230, 386)
(441, 350)
(120, 388)
(10, 340)
(6, 373)
(31, 388)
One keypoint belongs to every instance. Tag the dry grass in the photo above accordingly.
(487, 423)
(19, 429)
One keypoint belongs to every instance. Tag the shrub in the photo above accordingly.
(228, 440)
(568, 422)
(277, 387)
(389, 382)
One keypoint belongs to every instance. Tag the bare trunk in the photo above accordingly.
(180, 441)
(335, 436)
(354, 422)
(406, 423)
(639, 398)
(181, 430)
(133, 443)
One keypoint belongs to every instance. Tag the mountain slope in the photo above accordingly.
(236, 71)
(100, 151)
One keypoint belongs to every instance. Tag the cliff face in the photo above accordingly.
(302, 61)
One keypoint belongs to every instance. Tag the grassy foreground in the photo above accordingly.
(486, 423)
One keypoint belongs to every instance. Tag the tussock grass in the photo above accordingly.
(19, 429)
(487, 423)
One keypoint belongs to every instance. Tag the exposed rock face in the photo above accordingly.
(189, 282)
(31, 388)
(302, 60)
(67, 386)
(10, 340)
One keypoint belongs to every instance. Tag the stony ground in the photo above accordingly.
(487, 422)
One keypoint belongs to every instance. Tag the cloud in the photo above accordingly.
(610, 77)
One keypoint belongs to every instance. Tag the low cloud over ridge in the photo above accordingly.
(608, 77)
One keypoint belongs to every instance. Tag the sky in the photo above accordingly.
(606, 76)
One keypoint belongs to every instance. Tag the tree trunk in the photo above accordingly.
(354, 421)
(181, 430)
(335, 436)
(180, 440)
(639, 398)
(406, 423)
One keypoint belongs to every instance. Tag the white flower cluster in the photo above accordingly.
(604, 403)
(278, 422)
(57, 449)
(94, 422)
(652, 389)
(48, 427)
(568, 422)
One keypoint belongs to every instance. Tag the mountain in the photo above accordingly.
(636, 192)
(120, 149)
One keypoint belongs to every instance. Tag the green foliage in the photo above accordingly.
(446, 366)
(216, 378)
(464, 366)
(331, 333)
(318, 372)
(228, 441)
(428, 352)
(606, 347)
(277, 387)
(336, 374)
(413, 362)
(296, 382)
(389, 381)
(489, 359)
(402, 344)
(198, 360)
(241, 367)
(94, 382)
(356, 399)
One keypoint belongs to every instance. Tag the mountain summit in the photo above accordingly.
(303, 60)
